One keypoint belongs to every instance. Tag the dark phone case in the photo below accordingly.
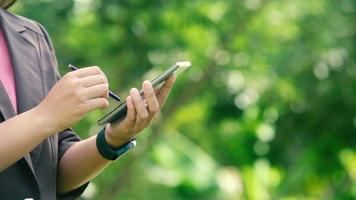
(120, 114)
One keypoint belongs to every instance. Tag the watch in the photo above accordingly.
(108, 152)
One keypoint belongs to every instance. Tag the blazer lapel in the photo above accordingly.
(6, 107)
(25, 62)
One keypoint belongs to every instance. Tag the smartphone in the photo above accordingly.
(119, 113)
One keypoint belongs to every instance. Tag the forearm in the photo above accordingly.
(82, 161)
(79, 164)
(20, 135)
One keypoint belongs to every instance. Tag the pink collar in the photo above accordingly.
(6, 71)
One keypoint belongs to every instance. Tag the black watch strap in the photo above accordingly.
(108, 152)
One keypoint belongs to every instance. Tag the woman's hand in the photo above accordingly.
(76, 94)
(140, 113)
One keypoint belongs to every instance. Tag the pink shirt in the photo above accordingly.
(6, 72)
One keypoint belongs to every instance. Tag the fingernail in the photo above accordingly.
(147, 83)
(133, 91)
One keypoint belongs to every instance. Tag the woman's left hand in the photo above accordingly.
(140, 113)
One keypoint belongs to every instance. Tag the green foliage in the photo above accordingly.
(267, 111)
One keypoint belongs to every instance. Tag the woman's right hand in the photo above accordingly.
(77, 93)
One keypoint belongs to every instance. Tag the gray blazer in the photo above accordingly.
(35, 69)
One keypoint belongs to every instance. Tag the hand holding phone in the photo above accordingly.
(119, 113)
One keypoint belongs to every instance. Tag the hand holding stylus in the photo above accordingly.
(111, 94)
(72, 97)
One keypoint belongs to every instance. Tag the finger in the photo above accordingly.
(87, 71)
(107, 82)
(96, 103)
(89, 81)
(141, 111)
(150, 98)
(96, 91)
(106, 79)
(106, 95)
(131, 113)
(164, 90)
(151, 116)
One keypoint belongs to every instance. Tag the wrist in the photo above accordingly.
(42, 117)
(107, 151)
(115, 140)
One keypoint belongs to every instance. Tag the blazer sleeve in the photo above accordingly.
(67, 137)
(65, 140)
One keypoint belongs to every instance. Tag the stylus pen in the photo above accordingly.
(111, 94)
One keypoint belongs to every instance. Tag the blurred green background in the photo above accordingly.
(267, 110)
